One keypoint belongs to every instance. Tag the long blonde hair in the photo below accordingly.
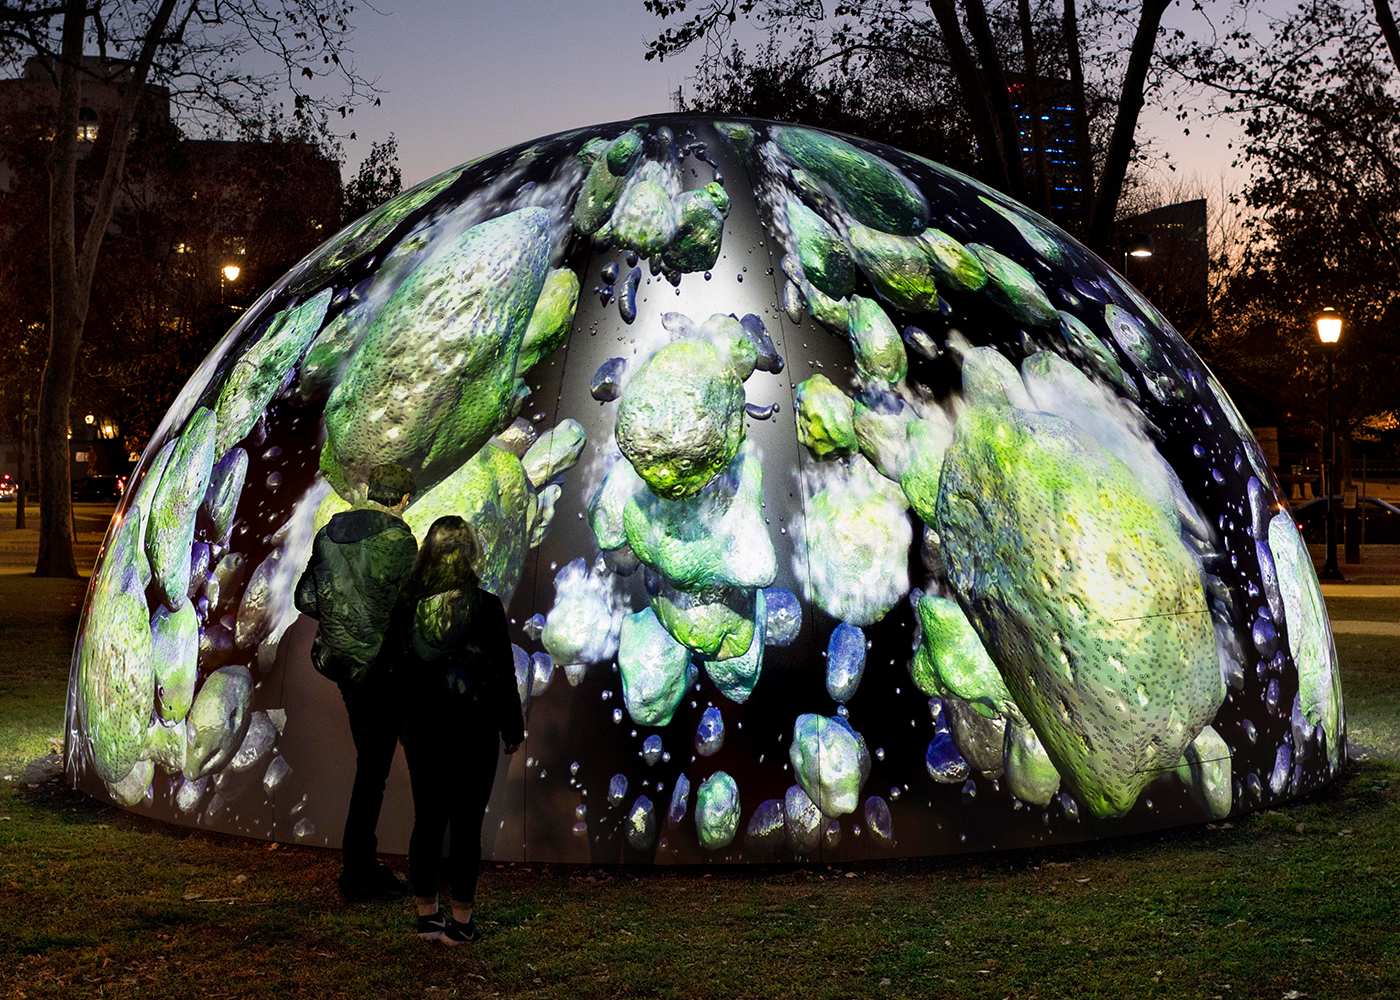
(444, 585)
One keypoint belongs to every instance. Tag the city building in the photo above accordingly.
(201, 225)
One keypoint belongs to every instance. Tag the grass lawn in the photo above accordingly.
(1299, 901)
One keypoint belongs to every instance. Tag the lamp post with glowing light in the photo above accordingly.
(1329, 331)
(228, 275)
(1139, 245)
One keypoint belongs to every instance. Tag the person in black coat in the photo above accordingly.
(351, 586)
(459, 702)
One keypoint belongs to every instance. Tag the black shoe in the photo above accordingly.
(378, 883)
(455, 933)
(430, 928)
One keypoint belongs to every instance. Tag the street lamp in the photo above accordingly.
(1329, 331)
(228, 275)
(1138, 245)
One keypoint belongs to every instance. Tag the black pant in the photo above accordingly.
(374, 726)
(451, 768)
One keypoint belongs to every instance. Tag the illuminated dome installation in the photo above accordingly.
(842, 508)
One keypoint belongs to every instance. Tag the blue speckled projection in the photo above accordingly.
(842, 508)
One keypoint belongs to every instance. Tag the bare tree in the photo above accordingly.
(196, 49)
(980, 59)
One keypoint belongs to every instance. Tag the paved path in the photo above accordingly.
(1343, 626)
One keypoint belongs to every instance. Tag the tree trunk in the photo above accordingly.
(1120, 146)
(1033, 102)
(22, 485)
(998, 98)
(1079, 117)
(71, 272)
(1386, 19)
(65, 317)
(983, 128)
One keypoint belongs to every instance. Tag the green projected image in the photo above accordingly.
(840, 506)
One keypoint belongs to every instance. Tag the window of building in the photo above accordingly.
(87, 125)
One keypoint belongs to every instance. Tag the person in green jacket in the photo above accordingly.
(359, 562)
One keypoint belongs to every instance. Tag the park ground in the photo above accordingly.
(1298, 901)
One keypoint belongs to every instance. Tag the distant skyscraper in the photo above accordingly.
(1062, 148)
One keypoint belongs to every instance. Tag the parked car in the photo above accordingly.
(1382, 519)
(9, 490)
(98, 489)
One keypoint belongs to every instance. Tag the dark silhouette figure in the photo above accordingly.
(459, 698)
(358, 564)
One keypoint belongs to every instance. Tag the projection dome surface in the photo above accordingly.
(842, 508)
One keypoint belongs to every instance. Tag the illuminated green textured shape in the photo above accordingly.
(834, 314)
(655, 669)
(988, 378)
(1309, 631)
(262, 370)
(830, 761)
(1014, 289)
(175, 659)
(1205, 769)
(226, 481)
(140, 507)
(601, 187)
(825, 418)
(825, 258)
(217, 721)
(1084, 596)
(645, 220)
(882, 431)
(737, 676)
(1037, 237)
(699, 229)
(550, 322)
(170, 528)
(714, 538)
(116, 685)
(371, 229)
(954, 267)
(898, 267)
(716, 621)
(717, 811)
(879, 349)
(925, 443)
(329, 352)
(491, 493)
(732, 341)
(681, 418)
(435, 376)
(1082, 343)
(621, 154)
(857, 540)
(951, 661)
(606, 509)
(167, 745)
(131, 790)
(872, 190)
(554, 453)
(1030, 774)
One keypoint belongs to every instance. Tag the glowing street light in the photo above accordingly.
(1329, 326)
(232, 271)
(1140, 245)
(1329, 331)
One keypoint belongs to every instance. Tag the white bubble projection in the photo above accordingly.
(842, 508)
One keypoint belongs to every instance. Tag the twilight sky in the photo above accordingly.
(467, 77)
